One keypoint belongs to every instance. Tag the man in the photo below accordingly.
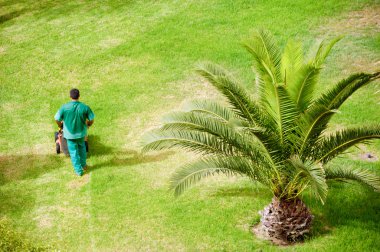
(75, 117)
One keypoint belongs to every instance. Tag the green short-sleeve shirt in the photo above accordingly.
(74, 115)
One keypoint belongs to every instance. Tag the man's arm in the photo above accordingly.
(59, 118)
(90, 117)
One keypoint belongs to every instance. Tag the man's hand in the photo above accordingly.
(89, 123)
(60, 124)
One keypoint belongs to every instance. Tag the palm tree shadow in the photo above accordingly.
(245, 191)
(340, 210)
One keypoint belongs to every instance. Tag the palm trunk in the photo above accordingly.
(284, 221)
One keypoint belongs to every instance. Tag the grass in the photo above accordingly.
(12, 241)
(133, 62)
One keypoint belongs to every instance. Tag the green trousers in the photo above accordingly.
(78, 155)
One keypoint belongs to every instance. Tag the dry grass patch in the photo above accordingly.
(79, 182)
(355, 23)
(44, 220)
(11, 107)
(47, 216)
(368, 156)
(366, 153)
(361, 63)
(110, 42)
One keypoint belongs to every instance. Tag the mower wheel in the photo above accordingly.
(57, 148)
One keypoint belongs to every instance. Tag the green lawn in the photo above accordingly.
(133, 62)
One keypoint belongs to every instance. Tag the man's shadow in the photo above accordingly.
(97, 148)
(15, 167)
(119, 157)
(10, 15)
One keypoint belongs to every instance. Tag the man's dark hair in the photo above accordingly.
(74, 94)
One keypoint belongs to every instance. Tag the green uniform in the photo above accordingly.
(74, 115)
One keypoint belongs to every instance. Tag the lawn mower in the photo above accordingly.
(61, 142)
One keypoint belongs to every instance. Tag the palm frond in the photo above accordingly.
(291, 61)
(302, 89)
(308, 174)
(324, 50)
(306, 76)
(191, 121)
(316, 118)
(194, 172)
(269, 141)
(361, 175)
(242, 103)
(309, 127)
(197, 121)
(211, 108)
(334, 98)
(198, 142)
(266, 58)
(284, 113)
(202, 134)
(336, 143)
(266, 55)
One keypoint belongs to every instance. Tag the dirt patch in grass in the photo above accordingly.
(355, 23)
(370, 157)
(40, 149)
(356, 27)
(366, 153)
(361, 63)
(198, 88)
(78, 182)
(46, 179)
(43, 217)
(257, 232)
(44, 221)
(47, 216)
(110, 42)
(11, 107)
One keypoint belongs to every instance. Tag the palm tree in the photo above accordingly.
(279, 138)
